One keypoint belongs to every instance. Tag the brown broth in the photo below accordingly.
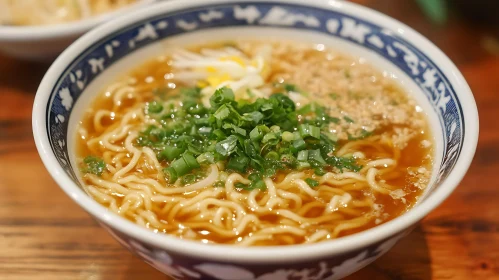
(155, 74)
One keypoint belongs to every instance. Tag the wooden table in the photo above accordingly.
(44, 235)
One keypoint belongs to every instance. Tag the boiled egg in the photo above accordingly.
(211, 69)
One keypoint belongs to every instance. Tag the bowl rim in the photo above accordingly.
(271, 254)
(61, 30)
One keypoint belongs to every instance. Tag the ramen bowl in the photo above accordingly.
(45, 42)
(421, 69)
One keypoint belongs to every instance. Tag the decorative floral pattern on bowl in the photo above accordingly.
(322, 18)
(179, 267)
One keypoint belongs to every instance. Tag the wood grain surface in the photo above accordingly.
(44, 235)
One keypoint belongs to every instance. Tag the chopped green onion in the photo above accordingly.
(235, 128)
(170, 153)
(206, 158)
(331, 136)
(222, 113)
(296, 135)
(287, 136)
(219, 134)
(227, 146)
(307, 130)
(302, 165)
(290, 87)
(260, 184)
(261, 136)
(191, 92)
(298, 145)
(256, 134)
(253, 118)
(302, 156)
(347, 119)
(333, 120)
(191, 160)
(180, 167)
(205, 130)
(275, 128)
(288, 158)
(315, 155)
(284, 149)
(311, 182)
(222, 96)
(238, 163)
(188, 179)
(344, 163)
(240, 185)
(154, 107)
(256, 181)
(272, 155)
(268, 137)
(184, 164)
(93, 165)
(254, 177)
(309, 108)
(363, 134)
(170, 174)
(319, 171)
(287, 104)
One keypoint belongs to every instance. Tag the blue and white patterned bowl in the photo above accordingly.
(95, 59)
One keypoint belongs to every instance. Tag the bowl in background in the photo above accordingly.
(98, 57)
(45, 42)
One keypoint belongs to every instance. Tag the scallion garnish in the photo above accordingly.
(348, 119)
(154, 107)
(169, 153)
(257, 138)
(238, 163)
(311, 182)
(307, 130)
(93, 165)
(302, 156)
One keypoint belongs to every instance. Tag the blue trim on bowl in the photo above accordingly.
(117, 45)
